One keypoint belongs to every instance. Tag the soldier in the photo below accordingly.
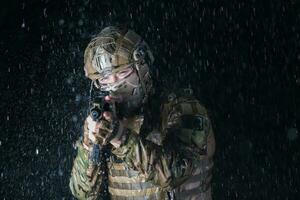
(155, 148)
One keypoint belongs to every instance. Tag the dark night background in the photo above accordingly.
(241, 58)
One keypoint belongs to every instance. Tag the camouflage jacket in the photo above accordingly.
(172, 162)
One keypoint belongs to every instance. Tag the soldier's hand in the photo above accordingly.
(99, 131)
(106, 130)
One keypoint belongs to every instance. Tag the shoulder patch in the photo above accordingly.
(186, 109)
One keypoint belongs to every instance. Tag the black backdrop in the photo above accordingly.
(241, 59)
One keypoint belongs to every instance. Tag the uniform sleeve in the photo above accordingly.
(81, 185)
(172, 163)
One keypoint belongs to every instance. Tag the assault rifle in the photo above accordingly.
(99, 154)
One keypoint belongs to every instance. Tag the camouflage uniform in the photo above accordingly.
(171, 159)
(173, 162)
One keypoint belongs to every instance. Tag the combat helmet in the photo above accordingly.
(114, 49)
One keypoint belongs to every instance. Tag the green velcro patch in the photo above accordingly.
(194, 122)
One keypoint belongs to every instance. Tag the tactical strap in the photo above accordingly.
(124, 179)
(134, 193)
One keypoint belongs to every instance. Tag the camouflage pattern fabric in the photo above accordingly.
(181, 164)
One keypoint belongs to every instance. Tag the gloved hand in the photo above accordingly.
(103, 131)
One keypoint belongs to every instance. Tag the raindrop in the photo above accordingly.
(61, 22)
(43, 37)
(292, 134)
(74, 118)
(78, 98)
(80, 22)
(23, 24)
(45, 12)
(70, 80)
(60, 172)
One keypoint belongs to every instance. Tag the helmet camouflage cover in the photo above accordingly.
(113, 49)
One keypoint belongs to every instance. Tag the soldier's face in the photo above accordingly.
(123, 81)
(124, 86)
